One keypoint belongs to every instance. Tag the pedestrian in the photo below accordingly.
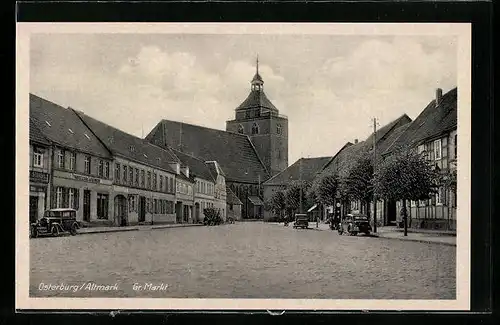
(317, 221)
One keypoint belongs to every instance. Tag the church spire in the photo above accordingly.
(257, 82)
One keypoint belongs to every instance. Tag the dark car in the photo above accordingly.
(55, 222)
(301, 221)
(353, 224)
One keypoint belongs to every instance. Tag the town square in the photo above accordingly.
(323, 170)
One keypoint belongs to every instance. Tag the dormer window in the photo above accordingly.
(145, 156)
(279, 130)
(71, 131)
(132, 148)
(255, 128)
(241, 129)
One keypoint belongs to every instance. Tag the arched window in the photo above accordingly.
(241, 129)
(255, 128)
(278, 153)
(278, 129)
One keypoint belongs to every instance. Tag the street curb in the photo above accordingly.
(107, 230)
(136, 229)
(416, 240)
(171, 226)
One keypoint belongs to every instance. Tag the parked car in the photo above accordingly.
(353, 224)
(55, 222)
(301, 221)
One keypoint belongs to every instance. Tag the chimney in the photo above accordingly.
(355, 141)
(439, 95)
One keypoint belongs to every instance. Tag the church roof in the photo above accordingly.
(234, 152)
(231, 198)
(303, 169)
(256, 99)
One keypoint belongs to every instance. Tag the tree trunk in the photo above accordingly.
(405, 218)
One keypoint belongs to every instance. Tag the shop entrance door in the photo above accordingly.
(33, 208)
(142, 209)
(86, 205)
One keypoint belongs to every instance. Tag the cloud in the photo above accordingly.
(330, 93)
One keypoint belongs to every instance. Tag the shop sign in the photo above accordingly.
(87, 179)
(38, 177)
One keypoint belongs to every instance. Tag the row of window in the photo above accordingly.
(204, 188)
(442, 197)
(67, 160)
(256, 129)
(184, 188)
(128, 175)
(156, 206)
(437, 149)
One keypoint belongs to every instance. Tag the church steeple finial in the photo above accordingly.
(257, 82)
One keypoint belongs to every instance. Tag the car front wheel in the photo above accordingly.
(54, 231)
(73, 229)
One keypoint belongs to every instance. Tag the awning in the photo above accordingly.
(312, 208)
(255, 200)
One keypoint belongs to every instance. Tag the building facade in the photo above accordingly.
(184, 205)
(220, 194)
(144, 180)
(433, 134)
(80, 176)
(39, 172)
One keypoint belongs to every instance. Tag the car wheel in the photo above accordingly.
(73, 229)
(354, 233)
(54, 231)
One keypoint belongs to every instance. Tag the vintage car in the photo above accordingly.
(353, 224)
(55, 222)
(301, 221)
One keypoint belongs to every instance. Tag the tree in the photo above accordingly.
(406, 175)
(276, 203)
(356, 181)
(292, 195)
(325, 188)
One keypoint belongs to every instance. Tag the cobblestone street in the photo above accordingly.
(243, 260)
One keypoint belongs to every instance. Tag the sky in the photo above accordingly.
(329, 86)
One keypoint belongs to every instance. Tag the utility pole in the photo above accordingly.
(300, 184)
(374, 163)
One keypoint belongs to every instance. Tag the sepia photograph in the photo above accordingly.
(321, 166)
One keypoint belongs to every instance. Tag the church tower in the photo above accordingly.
(258, 118)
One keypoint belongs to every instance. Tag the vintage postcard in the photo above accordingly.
(243, 166)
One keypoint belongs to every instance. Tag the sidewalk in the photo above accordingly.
(424, 236)
(96, 230)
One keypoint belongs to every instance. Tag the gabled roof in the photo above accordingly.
(197, 167)
(347, 156)
(231, 198)
(303, 169)
(257, 99)
(432, 121)
(332, 160)
(62, 127)
(215, 168)
(36, 135)
(129, 146)
(233, 152)
(384, 131)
